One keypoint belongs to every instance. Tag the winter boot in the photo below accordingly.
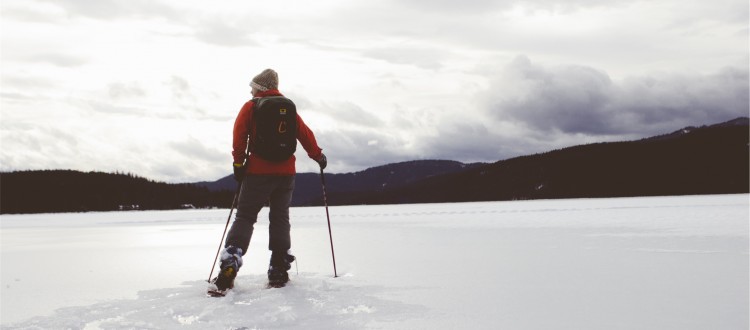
(231, 261)
(281, 262)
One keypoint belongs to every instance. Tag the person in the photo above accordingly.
(263, 180)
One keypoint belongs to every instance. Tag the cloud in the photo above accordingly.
(180, 87)
(576, 99)
(187, 99)
(464, 140)
(484, 6)
(572, 99)
(46, 146)
(196, 151)
(353, 149)
(107, 107)
(600, 33)
(655, 102)
(346, 113)
(120, 90)
(59, 59)
(222, 33)
(114, 9)
(425, 58)
(26, 82)
(474, 136)
(529, 108)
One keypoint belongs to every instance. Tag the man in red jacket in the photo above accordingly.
(262, 181)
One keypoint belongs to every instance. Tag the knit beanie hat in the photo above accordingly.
(268, 79)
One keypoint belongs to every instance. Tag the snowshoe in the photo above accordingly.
(277, 277)
(278, 274)
(231, 261)
(216, 292)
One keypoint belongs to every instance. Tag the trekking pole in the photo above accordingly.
(330, 236)
(234, 203)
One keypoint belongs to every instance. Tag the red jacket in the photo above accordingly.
(245, 124)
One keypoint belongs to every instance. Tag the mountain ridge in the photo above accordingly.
(709, 159)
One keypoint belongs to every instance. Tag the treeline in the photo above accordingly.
(74, 191)
(692, 161)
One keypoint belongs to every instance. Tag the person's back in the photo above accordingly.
(266, 174)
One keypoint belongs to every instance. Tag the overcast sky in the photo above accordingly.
(152, 87)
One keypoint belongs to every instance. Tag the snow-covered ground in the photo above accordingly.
(621, 263)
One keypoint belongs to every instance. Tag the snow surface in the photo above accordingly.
(621, 263)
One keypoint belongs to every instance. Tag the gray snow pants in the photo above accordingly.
(256, 190)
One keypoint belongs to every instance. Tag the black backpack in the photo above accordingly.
(275, 128)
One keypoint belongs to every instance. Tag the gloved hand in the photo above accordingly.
(239, 171)
(322, 161)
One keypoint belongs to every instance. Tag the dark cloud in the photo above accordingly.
(572, 98)
(584, 100)
(660, 102)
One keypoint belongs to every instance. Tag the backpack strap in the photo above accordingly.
(256, 103)
(256, 100)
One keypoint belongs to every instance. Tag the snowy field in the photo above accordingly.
(621, 263)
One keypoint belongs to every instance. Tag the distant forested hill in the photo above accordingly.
(704, 160)
(74, 191)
